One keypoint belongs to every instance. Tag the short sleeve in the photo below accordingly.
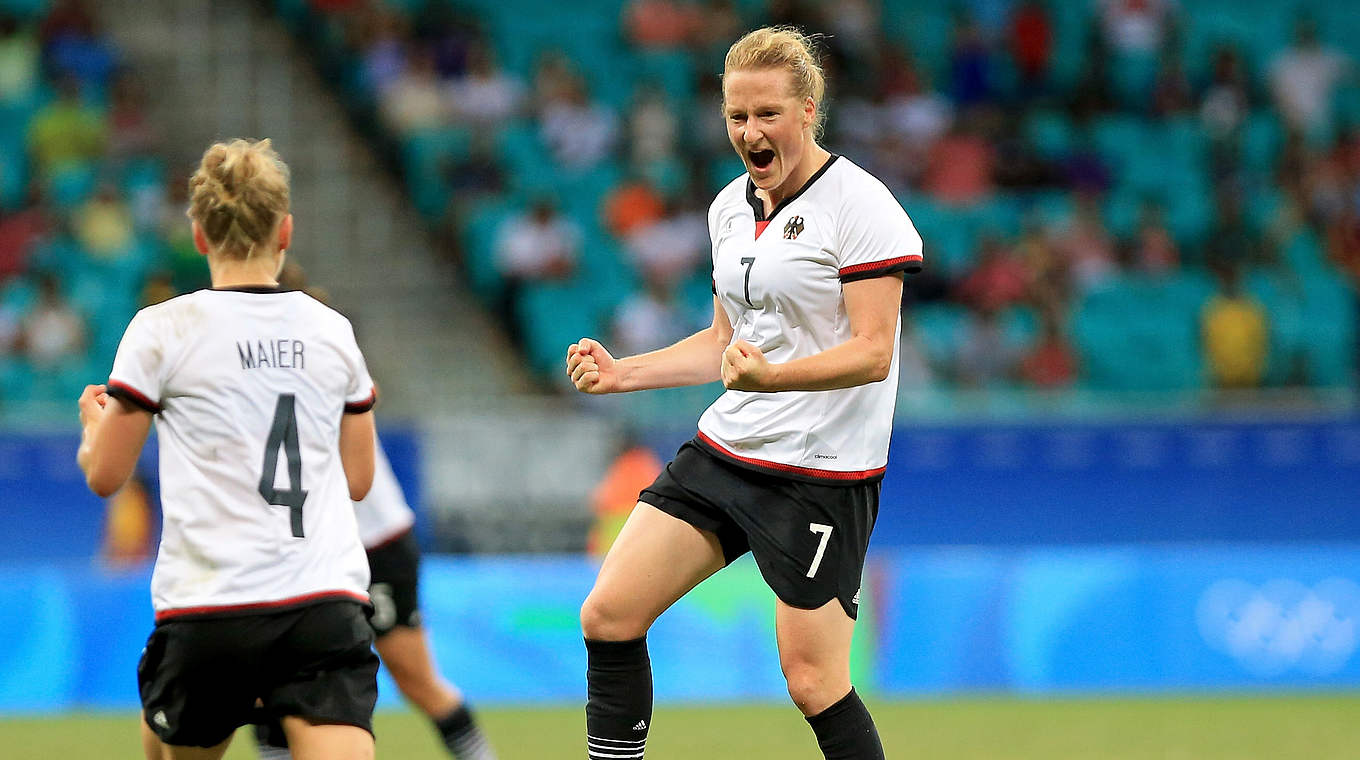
(876, 237)
(361, 394)
(138, 367)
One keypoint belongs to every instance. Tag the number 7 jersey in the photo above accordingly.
(248, 387)
(779, 279)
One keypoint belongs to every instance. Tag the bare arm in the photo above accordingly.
(111, 439)
(358, 452)
(872, 305)
(692, 361)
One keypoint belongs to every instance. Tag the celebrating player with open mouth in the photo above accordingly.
(808, 256)
(262, 403)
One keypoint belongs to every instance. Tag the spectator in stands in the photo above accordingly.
(486, 96)
(719, 22)
(998, 280)
(1172, 94)
(961, 165)
(414, 100)
(1087, 246)
(53, 332)
(1233, 327)
(20, 231)
(985, 358)
(103, 225)
(1031, 44)
(970, 63)
(66, 129)
(66, 17)
(1304, 77)
(383, 48)
(652, 318)
(579, 132)
(913, 117)
(652, 130)
(19, 60)
(1051, 363)
(539, 245)
(1223, 110)
(131, 131)
(632, 205)
(669, 249)
(1155, 250)
(82, 51)
(661, 24)
(1137, 27)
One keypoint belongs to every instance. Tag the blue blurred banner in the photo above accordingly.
(935, 621)
(1120, 483)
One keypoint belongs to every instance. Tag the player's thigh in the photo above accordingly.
(814, 652)
(327, 741)
(155, 749)
(656, 559)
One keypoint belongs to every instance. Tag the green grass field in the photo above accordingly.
(1313, 727)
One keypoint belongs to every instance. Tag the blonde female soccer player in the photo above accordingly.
(808, 256)
(262, 403)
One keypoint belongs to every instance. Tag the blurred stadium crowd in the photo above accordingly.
(1113, 194)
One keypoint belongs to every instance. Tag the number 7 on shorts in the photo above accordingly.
(825, 531)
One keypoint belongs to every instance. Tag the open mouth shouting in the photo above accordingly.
(760, 159)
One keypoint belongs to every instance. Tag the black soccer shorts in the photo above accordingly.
(394, 587)
(808, 539)
(199, 679)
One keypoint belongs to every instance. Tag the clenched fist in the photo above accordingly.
(591, 367)
(745, 368)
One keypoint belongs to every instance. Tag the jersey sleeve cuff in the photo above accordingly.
(910, 264)
(124, 392)
(364, 405)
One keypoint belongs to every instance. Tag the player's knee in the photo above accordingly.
(607, 621)
(811, 687)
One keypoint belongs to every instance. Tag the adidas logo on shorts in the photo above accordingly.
(855, 598)
(160, 719)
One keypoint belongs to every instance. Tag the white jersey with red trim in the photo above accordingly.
(779, 280)
(248, 387)
(383, 514)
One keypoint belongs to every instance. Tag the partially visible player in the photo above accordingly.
(809, 252)
(385, 527)
(385, 522)
(263, 409)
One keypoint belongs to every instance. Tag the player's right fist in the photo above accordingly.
(591, 367)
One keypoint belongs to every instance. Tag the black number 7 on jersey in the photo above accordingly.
(284, 433)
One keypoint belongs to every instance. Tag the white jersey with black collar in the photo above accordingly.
(248, 387)
(779, 281)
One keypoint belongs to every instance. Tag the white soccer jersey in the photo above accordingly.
(779, 280)
(383, 514)
(248, 387)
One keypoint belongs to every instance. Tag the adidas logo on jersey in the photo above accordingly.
(641, 726)
(794, 228)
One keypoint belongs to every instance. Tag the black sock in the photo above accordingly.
(461, 735)
(845, 731)
(619, 699)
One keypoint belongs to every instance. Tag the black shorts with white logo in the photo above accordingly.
(200, 678)
(808, 539)
(394, 588)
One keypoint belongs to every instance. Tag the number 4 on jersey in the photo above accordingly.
(284, 433)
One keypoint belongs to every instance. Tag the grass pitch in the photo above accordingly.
(1306, 727)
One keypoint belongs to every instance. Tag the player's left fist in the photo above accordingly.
(745, 368)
